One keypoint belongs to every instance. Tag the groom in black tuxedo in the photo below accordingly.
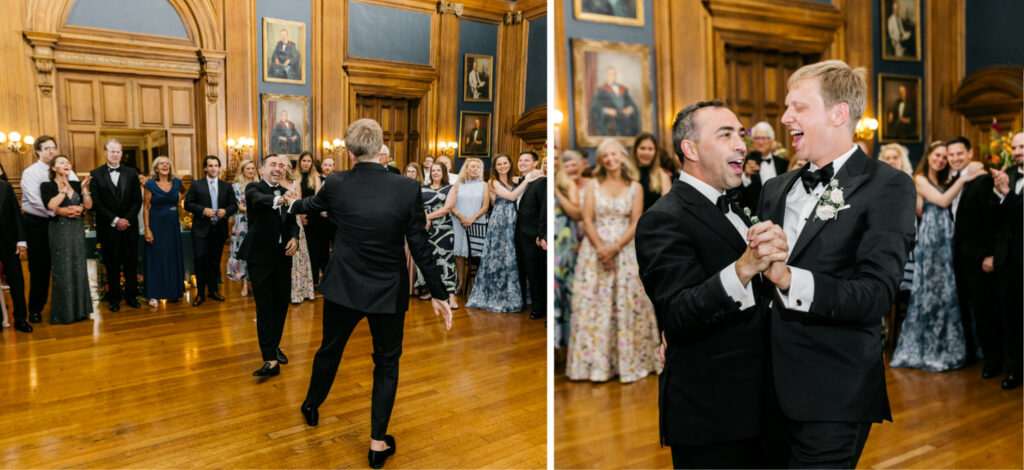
(375, 212)
(117, 198)
(531, 237)
(708, 295)
(847, 252)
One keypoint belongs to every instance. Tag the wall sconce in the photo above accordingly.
(17, 143)
(242, 145)
(557, 118)
(866, 128)
(335, 147)
(447, 148)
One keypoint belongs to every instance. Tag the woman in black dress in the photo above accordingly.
(316, 233)
(653, 178)
(71, 300)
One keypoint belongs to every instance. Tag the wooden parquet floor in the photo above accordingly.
(941, 420)
(171, 387)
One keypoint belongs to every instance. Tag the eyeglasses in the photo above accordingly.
(762, 137)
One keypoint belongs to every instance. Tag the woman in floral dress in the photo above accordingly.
(235, 267)
(302, 268)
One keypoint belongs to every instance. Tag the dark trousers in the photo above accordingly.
(977, 291)
(37, 234)
(271, 290)
(387, 330)
(15, 280)
(826, 445)
(532, 266)
(209, 250)
(1010, 278)
(120, 250)
(731, 454)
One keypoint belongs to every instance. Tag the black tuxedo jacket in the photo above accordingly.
(392, 169)
(375, 212)
(269, 229)
(532, 215)
(751, 193)
(198, 198)
(974, 231)
(1009, 243)
(122, 201)
(711, 387)
(827, 363)
(11, 228)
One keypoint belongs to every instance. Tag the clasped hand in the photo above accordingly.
(766, 253)
(289, 197)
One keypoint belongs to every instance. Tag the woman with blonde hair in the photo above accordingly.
(469, 216)
(614, 330)
(236, 269)
(897, 156)
(568, 211)
(164, 267)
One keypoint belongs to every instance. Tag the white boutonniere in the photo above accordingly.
(831, 202)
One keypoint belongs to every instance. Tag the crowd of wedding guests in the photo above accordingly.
(495, 224)
(960, 300)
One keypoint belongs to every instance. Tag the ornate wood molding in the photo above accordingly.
(398, 79)
(450, 8)
(990, 92)
(212, 68)
(532, 127)
(513, 17)
(42, 55)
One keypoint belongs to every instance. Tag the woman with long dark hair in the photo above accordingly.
(71, 301)
(653, 179)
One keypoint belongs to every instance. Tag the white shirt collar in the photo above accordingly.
(706, 189)
(839, 162)
(112, 166)
(210, 180)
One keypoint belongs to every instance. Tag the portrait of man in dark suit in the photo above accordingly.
(475, 136)
(612, 109)
(284, 51)
(286, 138)
(900, 104)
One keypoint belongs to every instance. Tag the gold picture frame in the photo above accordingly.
(275, 124)
(893, 127)
(592, 64)
(484, 79)
(908, 21)
(468, 122)
(631, 12)
(279, 56)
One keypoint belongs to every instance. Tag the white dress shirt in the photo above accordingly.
(744, 295)
(799, 206)
(31, 200)
(956, 200)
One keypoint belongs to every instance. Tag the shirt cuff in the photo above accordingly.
(742, 295)
(801, 290)
(277, 202)
(114, 223)
(999, 195)
(746, 180)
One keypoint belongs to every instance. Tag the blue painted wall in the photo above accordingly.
(376, 32)
(537, 64)
(995, 35)
(899, 67)
(605, 32)
(134, 16)
(477, 38)
(291, 10)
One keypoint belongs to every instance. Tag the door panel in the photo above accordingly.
(397, 119)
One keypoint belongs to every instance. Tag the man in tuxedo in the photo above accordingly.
(211, 202)
(117, 199)
(1009, 260)
(847, 250)
(375, 213)
(531, 237)
(285, 138)
(760, 165)
(267, 248)
(384, 157)
(12, 249)
(974, 218)
(707, 292)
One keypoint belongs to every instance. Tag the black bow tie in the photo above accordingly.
(954, 175)
(726, 201)
(811, 179)
(114, 170)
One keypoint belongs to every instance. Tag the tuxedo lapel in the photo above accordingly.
(850, 177)
(706, 212)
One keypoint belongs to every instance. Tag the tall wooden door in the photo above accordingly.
(399, 119)
(757, 85)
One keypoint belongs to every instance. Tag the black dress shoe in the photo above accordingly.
(311, 414)
(216, 296)
(22, 326)
(991, 371)
(267, 371)
(377, 458)
(198, 301)
(281, 357)
(35, 317)
(535, 315)
(114, 307)
(133, 303)
(1011, 381)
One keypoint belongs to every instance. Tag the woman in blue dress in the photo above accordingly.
(469, 216)
(438, 200)
(932, 337)
(165, 266)
(496, 288)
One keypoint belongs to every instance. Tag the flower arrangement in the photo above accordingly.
(998, 151)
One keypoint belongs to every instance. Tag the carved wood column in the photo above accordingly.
(43, 45)
(944, 69)
(448, 83)
(330, 111)
(684, 60)
(210, 123)
(509, 97)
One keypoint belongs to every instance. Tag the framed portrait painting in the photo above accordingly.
(474, 134)
(285, 124)
(901, 29)
(899, 102)
(611, 91)
(284, 51)
(476, 82)
(624, 12)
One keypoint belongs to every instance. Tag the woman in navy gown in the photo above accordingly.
(932, 337)
(165, 265)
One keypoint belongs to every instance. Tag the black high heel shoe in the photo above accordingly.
(377, 458)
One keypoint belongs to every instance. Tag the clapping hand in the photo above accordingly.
(1001, 181)
(85, 182)
(442, 308)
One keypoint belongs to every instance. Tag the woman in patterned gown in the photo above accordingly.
(235, 267)
(568, 212)
(614, 330)
(438, 200)
(164, 266)
(496, 288)
(302, 268)
(932, 336)
(71, 301)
